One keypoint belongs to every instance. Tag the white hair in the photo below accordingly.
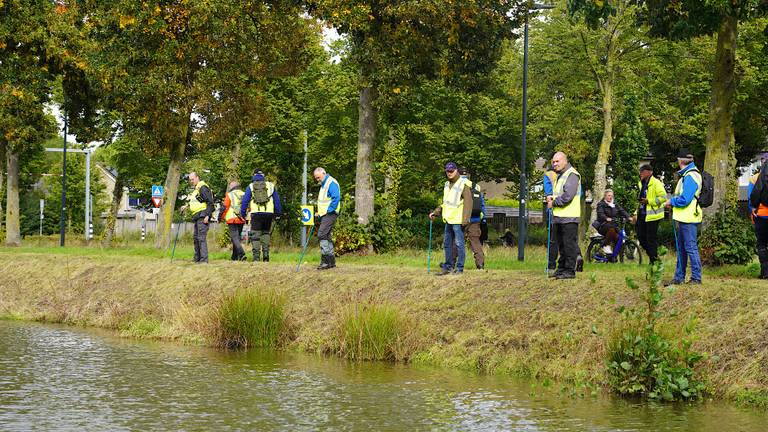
(319, 170)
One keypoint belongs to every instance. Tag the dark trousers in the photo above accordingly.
(261, 235)
(235, 233)
(200, 237)
(552, 264)
(325, 233)
(647, 233)
(761, 232)
(568, 246)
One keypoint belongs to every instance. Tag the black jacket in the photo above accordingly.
(206, 196)
(604, 211)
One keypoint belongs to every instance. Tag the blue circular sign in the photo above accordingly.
(306, 215)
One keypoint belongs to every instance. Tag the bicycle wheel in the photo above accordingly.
(593, 247)
(631, 253)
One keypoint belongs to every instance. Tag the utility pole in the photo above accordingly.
(63, 216)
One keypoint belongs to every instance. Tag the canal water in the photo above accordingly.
(63, 378)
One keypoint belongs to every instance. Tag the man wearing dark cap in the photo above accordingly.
(262, 202)
(758, 207)
(650, 212)
(456, 211)
(687, 214)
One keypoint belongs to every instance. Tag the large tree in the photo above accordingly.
(175, 69)
(396, 43)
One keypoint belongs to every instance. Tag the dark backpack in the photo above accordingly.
(260, 195)
(477, 201)
(759, 193)
(707, 193)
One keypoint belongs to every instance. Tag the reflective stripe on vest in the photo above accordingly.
(656, 195)
(269, 207)
(692, 212)
(573, 208)
(195, 206)
(235, 199)
(453, 204)
(323, 200)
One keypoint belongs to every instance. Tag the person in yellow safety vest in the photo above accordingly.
(758, 207)
(565, 203)
(231, 214)
(474, 230)
(262, 202)
(201, 206)
(328, 207)
(650, 211)
(687, 214)
(456, 210)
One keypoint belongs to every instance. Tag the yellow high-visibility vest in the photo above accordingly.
(323, 200)
(692, 212)
(573, 208)
(656, 196)
(195, 205)
(453, 204)
(235, 199)
(269, 207)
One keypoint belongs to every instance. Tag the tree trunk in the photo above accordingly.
(364, 191)
(13, 224)
(604, 153)
(165, 218)
(232, 172)
(117, 198)
(2, 181)
(720, 127)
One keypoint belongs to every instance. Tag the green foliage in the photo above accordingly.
(386, 230)
(349, 236)
(251, 318)
(646, 361)
(372, 332)
(630, 147)
(727, 239)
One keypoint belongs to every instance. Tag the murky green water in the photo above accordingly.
(59, 378)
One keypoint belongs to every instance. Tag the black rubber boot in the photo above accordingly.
(324, 263)
(331, 261)
(762, 254)
(266, 257)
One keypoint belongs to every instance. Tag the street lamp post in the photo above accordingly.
(63, 216)
(522, 214)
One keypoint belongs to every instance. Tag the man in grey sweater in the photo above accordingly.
(565, 203)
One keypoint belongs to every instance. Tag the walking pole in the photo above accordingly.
(173, 251)
(549, 239)
(429, 248)
(301, 258)
(677, 245)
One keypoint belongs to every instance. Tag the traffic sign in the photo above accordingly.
(308, 215)
(157, 191)
(157, 201)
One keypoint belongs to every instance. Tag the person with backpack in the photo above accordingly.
(456, 215)
(565, 204)
(231, 215)
(328, 207)
(550, 177)
(650, 211)
(201, 206)
(687, 214)
(758, 209)
(474, 229)
(262, 201)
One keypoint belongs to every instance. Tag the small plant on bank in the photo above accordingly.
(645, 361)
(349, 236)
(727, 239)
(251, 318)
(372, 332)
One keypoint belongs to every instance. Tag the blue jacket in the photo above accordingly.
(548, 186)
(334, 193)
(689, 188)
(482, 209)
(247, 199)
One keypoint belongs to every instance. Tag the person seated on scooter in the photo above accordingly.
(607, 213)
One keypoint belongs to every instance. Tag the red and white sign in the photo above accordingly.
(157, 201)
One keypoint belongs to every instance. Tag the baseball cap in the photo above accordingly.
(451, 166)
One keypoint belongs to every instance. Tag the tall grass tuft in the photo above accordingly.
(374, 332)
(251, 318)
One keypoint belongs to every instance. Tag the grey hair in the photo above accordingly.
(685, 161)
(607, 191)
(319, 170)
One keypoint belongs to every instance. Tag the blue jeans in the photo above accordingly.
(687, 247)
(454, 235)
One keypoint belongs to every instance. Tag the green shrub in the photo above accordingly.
(251, 318)
(372, 332)
(727, 239)
(644, 361)
(142, 327)
(386, 230)
(349, 236)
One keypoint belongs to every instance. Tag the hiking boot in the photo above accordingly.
(674, 282)
(763, 270)
(555, 274)
(323, 263)
(693, 282)
(565, 276)
(266, 258)
(331, 261)
(443, 271)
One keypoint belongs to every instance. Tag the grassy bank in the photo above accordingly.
(508, 320)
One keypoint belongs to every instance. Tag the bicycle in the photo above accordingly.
(626, 249)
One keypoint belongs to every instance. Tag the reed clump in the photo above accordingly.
(375, 332)
(251, 318)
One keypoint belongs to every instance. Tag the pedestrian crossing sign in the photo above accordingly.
(308, 215)
(157, 191)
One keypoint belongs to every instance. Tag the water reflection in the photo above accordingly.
(57, 378)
